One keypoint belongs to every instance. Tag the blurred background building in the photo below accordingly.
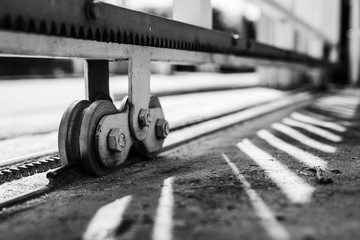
(326, 29)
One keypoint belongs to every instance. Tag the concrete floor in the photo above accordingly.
(252, 181)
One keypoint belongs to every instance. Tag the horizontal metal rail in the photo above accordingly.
(273, 6)
(32, 45)
(88, 30)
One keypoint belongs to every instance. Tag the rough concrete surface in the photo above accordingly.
(209, 201)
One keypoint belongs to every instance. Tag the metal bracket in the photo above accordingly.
(139, 92)
(122, 140)
(151, 145)
(97, 80)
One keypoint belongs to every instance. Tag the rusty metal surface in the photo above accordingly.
(82, 19)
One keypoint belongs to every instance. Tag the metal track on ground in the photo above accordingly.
(28, 168)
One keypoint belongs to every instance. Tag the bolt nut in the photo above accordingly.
(116, 140)
(144, 117)
(162, 128)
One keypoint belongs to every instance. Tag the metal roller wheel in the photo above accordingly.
(158, 130)
(69, 132)
(92, 116)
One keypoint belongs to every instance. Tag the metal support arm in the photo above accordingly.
(139, 93)
(96, 80)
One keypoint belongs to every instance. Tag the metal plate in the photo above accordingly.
(151, 145)
(116, 121)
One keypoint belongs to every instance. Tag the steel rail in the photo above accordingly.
(24, 158)
(273, 6)
(49, 29)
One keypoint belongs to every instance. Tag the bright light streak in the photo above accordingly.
(303, 138)
(163, 225)
(317, 122)
(275, 229)
(294, 187)
(315, 130)
(106, 220)
(301, 155)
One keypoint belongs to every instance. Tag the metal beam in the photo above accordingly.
(34, 45)
(99, 22)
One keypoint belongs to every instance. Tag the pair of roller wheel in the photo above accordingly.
(85, 131)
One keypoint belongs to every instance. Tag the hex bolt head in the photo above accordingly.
(162, 128)
(144, 117)
(116, 140)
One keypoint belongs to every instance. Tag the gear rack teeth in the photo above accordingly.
(142, 42)
(73, 33)
(105, 37)
(112, 36)
(63, 30)
(16, 173)
(53, 29)
(131, 38)
(43, 28)
(28, 169)
(125, 38)
(2, 178)
(137, 40)
(118, 36)
(7, 22)
(81, 34)
(98, 35)
(89, 34)
(20, 24)
(31, 26)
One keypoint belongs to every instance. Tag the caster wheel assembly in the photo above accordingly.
(98, 137)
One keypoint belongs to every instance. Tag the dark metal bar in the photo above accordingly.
(97, 80)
